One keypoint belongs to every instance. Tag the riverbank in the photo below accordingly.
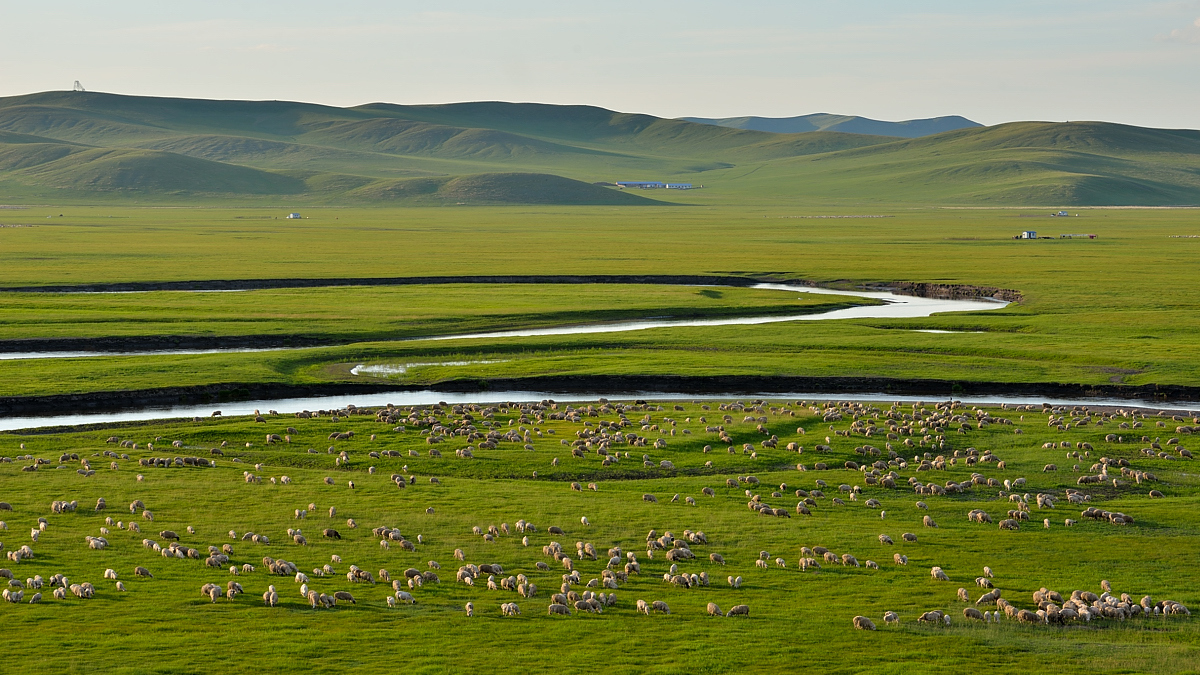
(268, 395)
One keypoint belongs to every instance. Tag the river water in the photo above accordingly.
(894, 307)
(289, 406)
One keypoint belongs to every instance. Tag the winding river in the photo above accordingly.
(894, 307)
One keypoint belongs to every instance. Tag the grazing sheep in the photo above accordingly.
(891, 617)
(211, 591)
(900, 559)
(931, 617)
(909, 536)
(660, 606)
(738, 610)
(860, 622)
(938, 574)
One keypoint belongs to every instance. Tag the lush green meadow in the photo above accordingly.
(376, 313)
(1116, 309)
(795, 617)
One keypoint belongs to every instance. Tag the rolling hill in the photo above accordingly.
(845, 123)
(86, 146)
(1020, 163)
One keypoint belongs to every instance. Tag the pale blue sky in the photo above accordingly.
(1133, 62)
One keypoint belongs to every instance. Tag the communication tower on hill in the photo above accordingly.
(78, 87)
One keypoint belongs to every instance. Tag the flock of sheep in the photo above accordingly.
(900, 446)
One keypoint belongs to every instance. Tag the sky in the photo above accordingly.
(1121, 61)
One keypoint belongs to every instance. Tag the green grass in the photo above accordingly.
(89, 147)
(1117, 309)
(795, 617)
(382, 312)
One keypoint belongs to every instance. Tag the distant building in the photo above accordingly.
(1027, 234)
(643, 184)
(679, 186)
(293, 216)
(1062, 213)
(1076, 236)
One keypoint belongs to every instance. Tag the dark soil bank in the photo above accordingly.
(921, 289)
(828, 387)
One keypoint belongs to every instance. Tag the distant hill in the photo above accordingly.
(497, 188)
(72, 144)
(86, 146)
(1042, 163)
(845, 123)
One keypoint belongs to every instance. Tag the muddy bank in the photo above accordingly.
(952, 291)
(264, 284)
(753, 384)
(116, 401)
(919, 289)
(165, 343)
(830, 387)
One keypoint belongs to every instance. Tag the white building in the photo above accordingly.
(293, 216)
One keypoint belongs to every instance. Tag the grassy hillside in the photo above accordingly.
(497, 188)
(340, 150)
(845, 123)
(156, 172)
(1040, 163)
(86, 146)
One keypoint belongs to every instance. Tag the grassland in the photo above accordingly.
(91, 148)
(796, 617)
(1114, 310)
(379, 313)
(118, 190)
